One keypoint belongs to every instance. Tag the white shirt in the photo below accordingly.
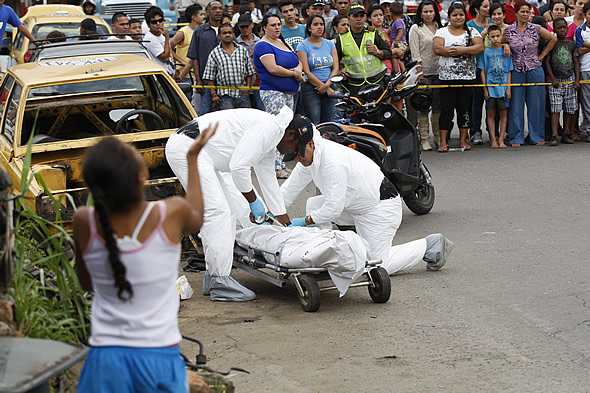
(113, 37)
(456, 68)
(156, 47)
(349, 181)
(246, 139)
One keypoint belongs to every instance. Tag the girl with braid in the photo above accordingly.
(127, 252)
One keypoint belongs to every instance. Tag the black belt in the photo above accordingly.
(190, 129)
(387, 190)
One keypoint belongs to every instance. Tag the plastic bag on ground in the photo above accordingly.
(185, 291)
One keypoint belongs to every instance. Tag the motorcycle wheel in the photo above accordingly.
(421, 200)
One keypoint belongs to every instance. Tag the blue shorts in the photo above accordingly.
(133, 370)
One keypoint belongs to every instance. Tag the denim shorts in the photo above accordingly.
(133, 370)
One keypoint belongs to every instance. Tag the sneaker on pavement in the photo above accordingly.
(588, 138)
(477, 140)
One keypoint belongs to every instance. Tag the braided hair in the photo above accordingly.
(111, 171)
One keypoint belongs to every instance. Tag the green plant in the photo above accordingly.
(51, 304)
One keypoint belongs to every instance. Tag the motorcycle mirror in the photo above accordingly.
(336, 79)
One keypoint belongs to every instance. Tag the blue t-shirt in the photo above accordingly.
(497, 66)
(283, 58)
(319, 58)
(7, 15)
(294, 36)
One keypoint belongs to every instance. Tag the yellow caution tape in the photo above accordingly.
(420, 87)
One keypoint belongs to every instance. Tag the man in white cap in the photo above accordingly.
(354, 191)
(246, 139)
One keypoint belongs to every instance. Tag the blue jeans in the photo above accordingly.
(190, 94)
(476, 106)
(318, 107)
(534, 97)
(206, 102)
(258, 100)
(227, 102)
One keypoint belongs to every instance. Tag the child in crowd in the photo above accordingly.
(495, 69)
(397, 33)
(562, 65)
(135, 29)
(583, 43)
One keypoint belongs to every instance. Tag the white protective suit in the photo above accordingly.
(245, 139)
(350, 186)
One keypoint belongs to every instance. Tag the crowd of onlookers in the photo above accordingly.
(290, 59)
(266, 61)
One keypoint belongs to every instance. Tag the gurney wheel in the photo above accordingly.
(310, 302)
(380, 291)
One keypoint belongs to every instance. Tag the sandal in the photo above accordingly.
(495, 145)
(465, 147)
(515, 145)
(443, 149)
(283, 173)
(542, 143)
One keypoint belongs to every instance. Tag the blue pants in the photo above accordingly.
(206, 102)
(318, 107)
(476, 106)
(133, 370)
(534, 97)
(258, 100)
(227, 102)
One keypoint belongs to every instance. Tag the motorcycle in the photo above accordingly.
(380, 131)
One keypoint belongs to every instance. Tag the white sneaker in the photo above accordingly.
(438, 249)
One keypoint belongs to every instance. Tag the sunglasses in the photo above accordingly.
(156, 21)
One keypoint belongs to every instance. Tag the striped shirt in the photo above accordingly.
(226, 70)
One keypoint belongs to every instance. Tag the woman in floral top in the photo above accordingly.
(523, 39)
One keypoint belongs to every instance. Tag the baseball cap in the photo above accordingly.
(316, 3)
(356, 9)
(381, 2)
(304, 131)
(88, 24)
(244, 20)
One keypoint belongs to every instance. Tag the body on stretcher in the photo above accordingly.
(310, 256)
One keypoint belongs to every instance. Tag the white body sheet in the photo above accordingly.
(342, 253)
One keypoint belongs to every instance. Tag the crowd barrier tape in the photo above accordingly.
(419, 87)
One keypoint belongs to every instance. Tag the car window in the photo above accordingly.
(88, 87)
(11, 118)
(174, 98)
(40, 31)
(4, 92)
(18, 40)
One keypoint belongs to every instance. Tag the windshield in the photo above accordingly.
(101, 107)
(40, 31)
(89, 87)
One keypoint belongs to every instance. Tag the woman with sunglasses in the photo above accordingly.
(456, 44)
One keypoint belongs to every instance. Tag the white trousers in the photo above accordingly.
(224, 204)
(378, 227)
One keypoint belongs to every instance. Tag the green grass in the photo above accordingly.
(52, 305)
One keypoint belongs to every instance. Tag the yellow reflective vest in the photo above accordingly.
(359, 63)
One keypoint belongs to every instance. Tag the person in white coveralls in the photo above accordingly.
(245, 139)
(354, 191)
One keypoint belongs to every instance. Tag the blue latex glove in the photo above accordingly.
(257, 209)
(298, 222)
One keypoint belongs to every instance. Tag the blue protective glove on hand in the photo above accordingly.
(257, 209)
(298, 222)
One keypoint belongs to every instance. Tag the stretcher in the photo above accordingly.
(255, 261)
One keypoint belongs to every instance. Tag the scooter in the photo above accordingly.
(380, 131)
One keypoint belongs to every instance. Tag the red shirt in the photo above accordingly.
(511, 15)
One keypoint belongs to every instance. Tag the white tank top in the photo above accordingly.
(149, 319)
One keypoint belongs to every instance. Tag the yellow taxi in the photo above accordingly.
(41, 20)
(64, 106)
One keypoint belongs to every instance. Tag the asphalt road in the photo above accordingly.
(509, 312)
